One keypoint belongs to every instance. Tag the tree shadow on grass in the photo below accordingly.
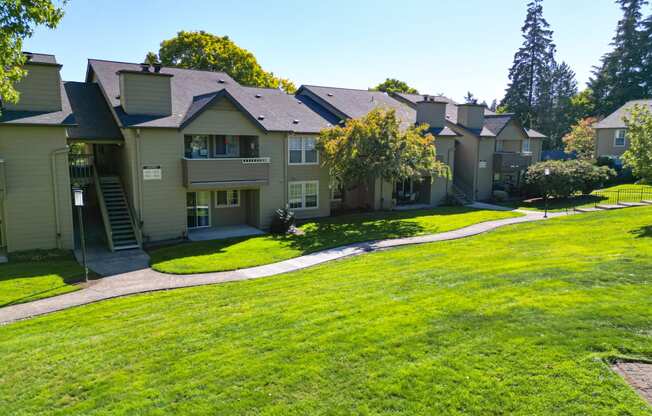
(643, 232)
(69, 272)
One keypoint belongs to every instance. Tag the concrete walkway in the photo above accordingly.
(148, 280)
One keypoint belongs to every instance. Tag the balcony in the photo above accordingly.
(224, 173)
(511, 162)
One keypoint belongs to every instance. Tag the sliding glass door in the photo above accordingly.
(198, 209)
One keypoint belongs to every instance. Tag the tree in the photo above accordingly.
(639, 132)
(582, 105)
(647, 55)
(581, 139)
(558, 119)
(18, 18)
(494, 105)
(395, 85)
(470, 98)
(151, 58)
(620, 76)
(202, 50)
(375, 146)
(531, 68)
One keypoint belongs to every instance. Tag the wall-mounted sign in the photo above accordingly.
(482, 164)
(152, 173)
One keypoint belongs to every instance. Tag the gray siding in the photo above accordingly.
(605, 143)
(40, 90)
(145, 94)
(29, 197)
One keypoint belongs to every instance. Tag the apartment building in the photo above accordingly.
(611, 132)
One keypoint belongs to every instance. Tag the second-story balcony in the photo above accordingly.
(224, 173)
(505, 162)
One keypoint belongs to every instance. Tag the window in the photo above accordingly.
(526, 146)
(227, 146)
(196, 147)
(302, 151)
(500, 145)
(619, 138)
(197, 208)
(303, 195)
(227, 199)
(337, 190)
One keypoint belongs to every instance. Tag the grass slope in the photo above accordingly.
(33, 277)
(237, 253)
(517, 321)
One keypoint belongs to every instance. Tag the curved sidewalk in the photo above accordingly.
(148, 280)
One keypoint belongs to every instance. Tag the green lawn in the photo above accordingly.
(628, 193)
(31, 277)
(519, 321)
(237, 253)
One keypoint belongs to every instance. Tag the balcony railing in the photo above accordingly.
(81, 169)
(511, 162)
(221, 173)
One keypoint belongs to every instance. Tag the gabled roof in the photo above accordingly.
(496, 123)
(533, 134)
(451, 109)
(64, 117)
(193, 91)
(94, 119)
(615, 119)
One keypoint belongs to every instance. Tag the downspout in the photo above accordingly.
(285, 168)
(3, 193)
(452, 171)
(139, 179)
(55, 191)
(477, 171)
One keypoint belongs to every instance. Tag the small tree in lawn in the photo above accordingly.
(639, 132)
(375, 146)
(581, 139)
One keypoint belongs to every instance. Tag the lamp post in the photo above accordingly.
(79, 203)
(546, 174)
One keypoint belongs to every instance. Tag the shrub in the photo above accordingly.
(282, 221)
(500, 196)
(566, 177)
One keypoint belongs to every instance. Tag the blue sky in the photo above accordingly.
(437, 46)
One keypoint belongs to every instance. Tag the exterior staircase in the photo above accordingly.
(119, 224)
(460, 196)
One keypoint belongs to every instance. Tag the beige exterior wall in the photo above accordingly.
(536, 146)
(440, 186)
(485, 169)
(466, 159)
(29, 204)
(470, 116)
(302, 173)
(40, 90)
(147, 94)
(605, 143)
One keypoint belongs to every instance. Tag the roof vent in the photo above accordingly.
(221, 81)
(157, 67)
(258, 96)
(261, 117)
(330, 94)
(295, 121)
(144, 67)
(29, 56)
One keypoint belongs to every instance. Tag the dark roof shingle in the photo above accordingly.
(93, 116)
(615, 119)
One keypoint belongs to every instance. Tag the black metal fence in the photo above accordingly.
(622, 196)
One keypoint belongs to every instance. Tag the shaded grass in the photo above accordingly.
(237, 253)
(517, 321)
(36, 275)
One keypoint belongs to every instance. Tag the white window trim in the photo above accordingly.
(225, 155)
(303, 195)
(529, 146)
(303, 151)
(210, 220)
(237, 191)
(616, 137)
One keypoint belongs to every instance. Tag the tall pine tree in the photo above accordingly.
(646, 43)
(531, 68)
(621, 75)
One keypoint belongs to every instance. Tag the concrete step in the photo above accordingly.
(126, 247)
(609, 207)
(647, 202)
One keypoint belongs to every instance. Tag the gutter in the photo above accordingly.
(55, 191)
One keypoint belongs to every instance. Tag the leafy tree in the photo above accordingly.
(620, 77)
(639, 132)
(565, 178)
(582, 105)
(581, 139)
(151, 58)
(18, 18)
(375, 146)
(395, 85)
(531, 70)
(202, 50)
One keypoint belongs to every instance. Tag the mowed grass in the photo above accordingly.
(519, 321)
(238, 253)
(37, 276)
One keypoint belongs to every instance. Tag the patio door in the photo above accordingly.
(198, 209)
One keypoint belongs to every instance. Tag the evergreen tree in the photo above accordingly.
(564, 88)
(621, 75)
(647, 55)
(530, 72)
(494, 105)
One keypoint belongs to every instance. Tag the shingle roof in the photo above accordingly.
(496, 123)
(615, 119)
(451, 109)
(193, 91)
(94, 119)
(64, 117)
(40, 58)
(533, 134)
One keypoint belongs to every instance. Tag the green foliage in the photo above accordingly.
(151, 58)
(582, 105)
(219, 255)
(282, 221)
(395, 85)
(375, 146)
(18, 18)
(565, 178)
(624, 74)
(639, 132)
(581, 139)
(202, 50)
